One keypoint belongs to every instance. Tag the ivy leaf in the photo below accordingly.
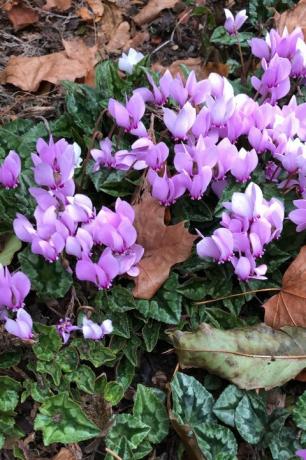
(134, 430)
(62, 420)
(9, 389)
(152, 411)
(49, 280)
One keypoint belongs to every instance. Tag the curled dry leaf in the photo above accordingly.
(152, 9)
(58, 5)
(22, 16)
(251, 357)
(93, 13)
(77, 61)
(295, 17)
(164, 246)
(120, 37)
(65, 454)
(201, 70)
(288, 307)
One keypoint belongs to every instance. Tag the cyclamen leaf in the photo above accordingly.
(215, 441)
(164, 246)
(8, 393)
(11, 246)
(62, 420)
(299, 412)
(152, 411)
(113, 392)
(251, 357)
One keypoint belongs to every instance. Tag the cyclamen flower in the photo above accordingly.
(128, 61)
(103, 156)
(301, 453)
(298, 216)
(129, 116)
(13, 289)
(10, 170)
(220, 246)
(20, 327)
(95, 331)
(101, 273)
(233, 24)
(167, 189)
(180, 123)
(64, 328)
(244, 164)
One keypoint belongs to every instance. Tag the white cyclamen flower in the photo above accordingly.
(128, 61)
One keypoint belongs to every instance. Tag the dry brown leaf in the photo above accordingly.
(58, 5)
(196, 64)
(296, 17)
(64, 454)
(111, 20)
(21, 16)
(120, 37)
(164, 246)
(150, 11)
(288, 307)
(137, 40)
(93, 13)
(77, 61)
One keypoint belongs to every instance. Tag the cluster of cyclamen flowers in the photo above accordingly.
(249, 223)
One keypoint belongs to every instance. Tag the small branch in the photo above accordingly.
(236, 295)
(112, 453)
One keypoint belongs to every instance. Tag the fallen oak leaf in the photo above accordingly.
(295, 17)
(120, 37)
(58, 5)
(288, 307)
(251, 357)
(22, 16)
(77, 61)
(152, 9)
(164, 246)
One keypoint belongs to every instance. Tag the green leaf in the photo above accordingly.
(299, 412)
(113, 392)
(9, 389)
(7, 422)
(251, 418)
(49, 342)
(38, 392)
(150, 334)
(11, 246)
(192, 403)
(9, 359)
(51, 368)
(94, 351)
(68, 359)
(125, 373)
(215, 441)
(50, 280)
(62, 420)
(84, 377)
(131, 351)
(225, 406)
(221, 37)
(284, 444)
(251, 357)
(133, 429)
(152, 411)
(1, 441)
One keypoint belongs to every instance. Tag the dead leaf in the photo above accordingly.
(288, 307)
(76, 61)
(195, 64)
(93, 13)
(21, 16)
(137, 40)
(58, 5)
(164, 246)
(64, 454)
(296, 17)
(112, 18)
(120, 37)
(152, 10)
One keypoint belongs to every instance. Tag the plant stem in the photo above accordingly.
(236, 295)
(243, 78)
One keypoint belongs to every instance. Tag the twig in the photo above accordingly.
(112, 453)
(236, 295)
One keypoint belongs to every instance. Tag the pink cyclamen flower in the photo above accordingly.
(180, 123)
(10, 170)
(244, 164)
(64, 328)
(219, 246)
(13, 288)
(129, 116)
(301, 453)
(298, 216)
(234, 23)
(103, 156)
(94, 331)
(167, 189)
(101, 273)
(20, 327)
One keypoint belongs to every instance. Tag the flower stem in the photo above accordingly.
(254, 291)
(243, 78)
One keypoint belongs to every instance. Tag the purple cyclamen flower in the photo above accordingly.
(167, 189)
(301, 453)
(101, 273)
(219, 246)
(153, 155)
(129, 116)
(233, 24)
(10, 170)
(103, 156)
(159, 94)
(197, 90)
(64, 328)
(244, 164)
(197, 183)
(245, 268)
(13, 288)
(298, 216)
(128, 261)
(79, 245)
(20, 327)
(95, 331)
(180, 123)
